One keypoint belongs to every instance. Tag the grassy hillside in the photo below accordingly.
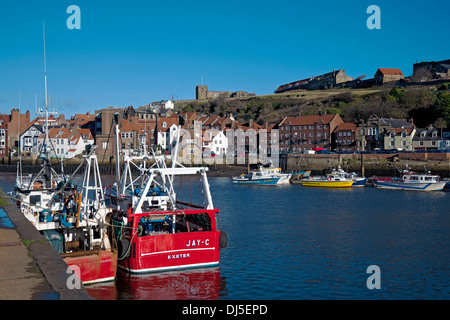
(424, 105)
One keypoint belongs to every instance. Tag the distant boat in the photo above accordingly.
(332, 180)
(414, 181)
(358, 181)
(264, 176)
(447, 185)
(297, 177)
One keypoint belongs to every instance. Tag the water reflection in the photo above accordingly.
(194, 284)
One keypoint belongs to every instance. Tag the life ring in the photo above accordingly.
(329, 178)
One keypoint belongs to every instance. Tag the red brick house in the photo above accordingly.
(344, 137)
(298, 134)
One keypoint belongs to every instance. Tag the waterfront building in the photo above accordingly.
(11, 127)
(299, 134)
(28, 139)
(429, 139)
(214, 140)
(344, 137)
(399, 139)
(4, 119)
(370, 134)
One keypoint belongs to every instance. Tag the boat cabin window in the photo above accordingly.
(158, 224)
(193, 222)
(414, 178)
(35, 199)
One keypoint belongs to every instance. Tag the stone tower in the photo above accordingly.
(201, 92)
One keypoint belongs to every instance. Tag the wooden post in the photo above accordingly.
(79, 209)
(362, 165)
(248, 162)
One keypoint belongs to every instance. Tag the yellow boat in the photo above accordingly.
(331, 181)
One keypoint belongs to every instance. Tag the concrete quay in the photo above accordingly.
(30, 269)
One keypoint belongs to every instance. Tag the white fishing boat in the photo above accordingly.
(358, 181)
(264, 176)
(414, 181)
(73, 222)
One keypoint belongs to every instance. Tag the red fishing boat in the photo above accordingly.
(159, 233)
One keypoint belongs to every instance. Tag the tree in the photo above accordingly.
(422, 74)
(442, 106)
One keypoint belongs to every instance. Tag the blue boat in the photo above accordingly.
(415, 181)
(264, 176)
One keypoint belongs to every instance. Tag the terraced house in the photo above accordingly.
(299, 134)
(399, 138)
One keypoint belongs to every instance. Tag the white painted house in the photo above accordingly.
(63, 143)
(28, 139)
(215, 140)
(158, 106)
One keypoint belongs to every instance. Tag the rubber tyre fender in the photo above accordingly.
(123, 248)
(223, 239)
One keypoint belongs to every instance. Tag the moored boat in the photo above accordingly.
(414, 181)
(160, 233)
(358, 181)
(264, 176)
(74, 223)
(330, 181)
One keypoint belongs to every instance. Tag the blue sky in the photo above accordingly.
(136, 52)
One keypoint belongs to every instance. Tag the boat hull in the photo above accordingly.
(267, 181)
(326, 184)
(172, 251)
(361, 182)
(411, 186)
(92, 266)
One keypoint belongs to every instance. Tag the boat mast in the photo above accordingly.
(116, 120)
(46, 98)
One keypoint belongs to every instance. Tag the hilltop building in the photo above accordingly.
(324, 81)
(202, 93)
(384, 75)
(434, 69)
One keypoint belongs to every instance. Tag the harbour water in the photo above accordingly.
(289, 242)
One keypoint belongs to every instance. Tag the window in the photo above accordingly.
(104, 145)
